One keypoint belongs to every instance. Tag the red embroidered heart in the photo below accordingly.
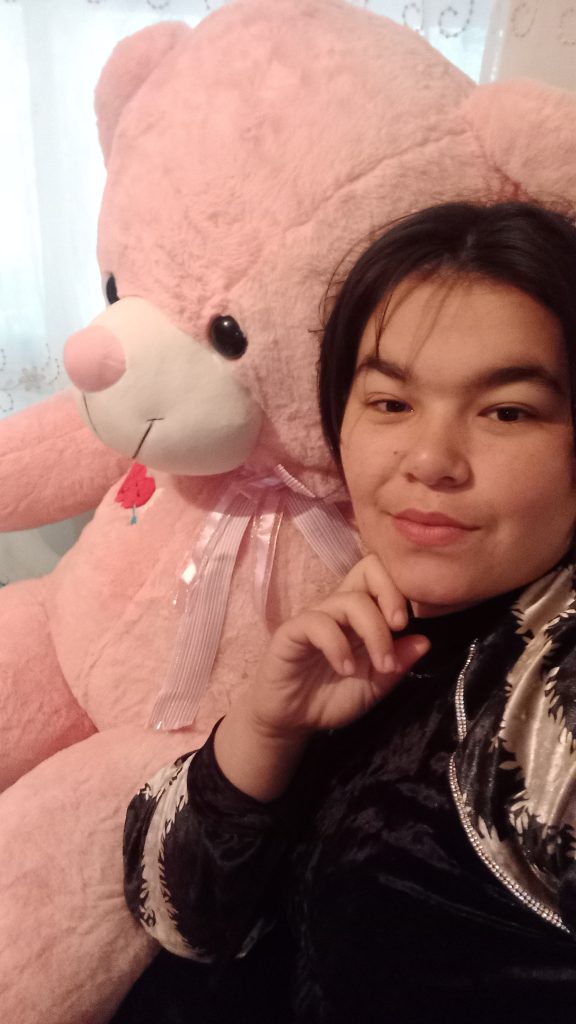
(137, 488)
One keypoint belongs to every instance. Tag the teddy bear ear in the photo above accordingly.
(527, 130)
(132, 61)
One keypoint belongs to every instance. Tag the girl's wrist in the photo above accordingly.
(256, 757)
(246, 711)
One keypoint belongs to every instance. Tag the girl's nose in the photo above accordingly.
(94, 358)
(437, 459)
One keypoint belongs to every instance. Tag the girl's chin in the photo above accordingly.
(440, 589)
(428, 602)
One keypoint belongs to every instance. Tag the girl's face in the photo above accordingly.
(457, 442)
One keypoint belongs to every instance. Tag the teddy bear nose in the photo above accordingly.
(94, 358)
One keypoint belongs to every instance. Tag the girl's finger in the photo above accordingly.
(357, 611)
(320, 630)
(370, 576)
(409, 650)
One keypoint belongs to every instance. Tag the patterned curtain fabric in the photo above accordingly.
(533, 39)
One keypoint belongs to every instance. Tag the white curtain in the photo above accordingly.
(51, 178)
(532, 39)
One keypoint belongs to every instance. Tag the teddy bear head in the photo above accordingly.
(247, 159)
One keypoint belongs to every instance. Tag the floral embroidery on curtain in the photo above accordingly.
(535, 39)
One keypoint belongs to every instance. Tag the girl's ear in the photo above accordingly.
(132, 62)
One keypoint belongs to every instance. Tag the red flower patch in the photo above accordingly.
(137, 488)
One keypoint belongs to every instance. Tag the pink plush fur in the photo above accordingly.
(246, 158)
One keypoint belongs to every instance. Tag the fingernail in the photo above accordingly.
(422, 646)
(389, 664)
(399, 619)
(348, 667)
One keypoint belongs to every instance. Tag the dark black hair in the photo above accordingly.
(516, 243)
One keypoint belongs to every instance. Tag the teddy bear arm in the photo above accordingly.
(51, 465)
(69, 948)
(39, 715)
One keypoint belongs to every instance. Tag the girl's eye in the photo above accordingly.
(390, 405)
(509, 414)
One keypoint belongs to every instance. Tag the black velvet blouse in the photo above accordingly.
(382, 910)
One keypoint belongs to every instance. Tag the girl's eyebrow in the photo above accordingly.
(501, 375)
(385, 366)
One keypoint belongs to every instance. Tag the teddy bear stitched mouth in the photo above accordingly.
(85, 400)
(151, 423)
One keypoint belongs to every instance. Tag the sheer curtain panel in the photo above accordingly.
(532, 39)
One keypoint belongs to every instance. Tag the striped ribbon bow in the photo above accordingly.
(261, 499)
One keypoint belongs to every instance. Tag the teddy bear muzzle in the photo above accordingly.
(153, 391)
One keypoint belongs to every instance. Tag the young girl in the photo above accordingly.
(397, 789)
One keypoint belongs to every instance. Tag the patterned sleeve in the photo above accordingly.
(200, 860)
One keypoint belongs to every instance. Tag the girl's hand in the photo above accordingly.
(331, 664)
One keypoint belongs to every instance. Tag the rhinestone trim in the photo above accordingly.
(546, 913)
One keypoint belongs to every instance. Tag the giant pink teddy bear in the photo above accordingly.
(246, 159)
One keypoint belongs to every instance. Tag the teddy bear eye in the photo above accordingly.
(227, 337)
(111, 290)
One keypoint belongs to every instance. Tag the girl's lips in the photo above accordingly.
(431, 518)
(430, 529)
